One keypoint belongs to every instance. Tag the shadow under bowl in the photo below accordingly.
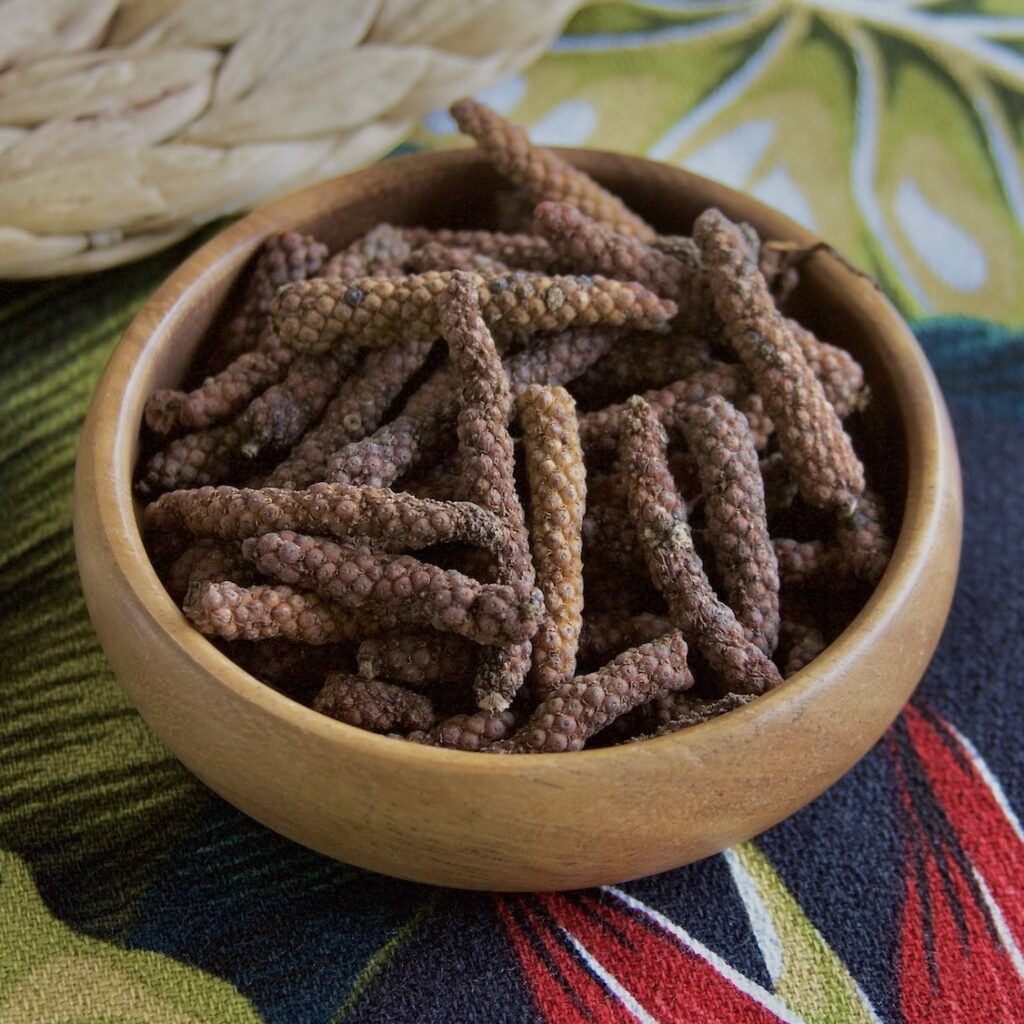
(530, 822)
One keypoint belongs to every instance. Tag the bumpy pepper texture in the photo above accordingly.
(812, 438)
(488, 470)
(675, 566)
(734, 510)
(540, 172)
(415, 592)
(556, 478)
(581, 707)
(313, 315)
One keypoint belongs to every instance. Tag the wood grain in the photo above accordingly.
(538, 821)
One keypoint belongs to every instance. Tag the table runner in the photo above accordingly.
(128, 891)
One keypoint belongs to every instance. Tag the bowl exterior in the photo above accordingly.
(530, 822)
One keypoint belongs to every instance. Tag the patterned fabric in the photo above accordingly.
(129, 892)
(892, 127)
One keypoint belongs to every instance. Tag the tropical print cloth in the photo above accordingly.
(130, 893)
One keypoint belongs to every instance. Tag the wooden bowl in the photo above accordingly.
(530, 822)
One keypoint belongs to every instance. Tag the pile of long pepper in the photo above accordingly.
(384, 500)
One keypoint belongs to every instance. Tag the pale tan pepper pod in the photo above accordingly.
(540, 172)
(372, 311)
(556, 478)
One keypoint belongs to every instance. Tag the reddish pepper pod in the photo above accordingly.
(232, 612)
(414, 592)
(373, 515)
(540, 172)
(358, 409)
(660, 518)
(373, 705)
(605, 634)
(686, 713)
(284, 258)
(381, 251)
(223, 394)
(480, 730)
(435, 256)
(518, 251)
(590, 247)
(208, 559)
(280, 416)
(581, 707)
(737, 525)
(418, 659)
(194, 460)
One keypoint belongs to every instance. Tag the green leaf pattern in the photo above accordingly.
(894, 128)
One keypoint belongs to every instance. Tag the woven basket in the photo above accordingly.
(124, 125)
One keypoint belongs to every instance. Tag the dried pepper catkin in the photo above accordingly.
(418, 659)
(207, 559)
(282, 413)
(435, 256)
(557, 481)
(415, 592)
(810, 435)
(594, 248)
(370, 514)
(372, 311)
(480, 730)
(580, 707)
(488, 470)
(194, 460)
(518, 251)
(232, 612)
(382, 250)
(675, 566)
(373, 705)
(737, 525)
(223, 394)
(306, 575)
(358, 409)
(290, 256)
(543, 174)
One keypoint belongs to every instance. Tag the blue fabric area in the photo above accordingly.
(289, 928)
(293, 930)
(976, 361)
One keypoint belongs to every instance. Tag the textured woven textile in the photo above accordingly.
(129, 892)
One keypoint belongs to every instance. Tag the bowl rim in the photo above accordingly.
(922, 409)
